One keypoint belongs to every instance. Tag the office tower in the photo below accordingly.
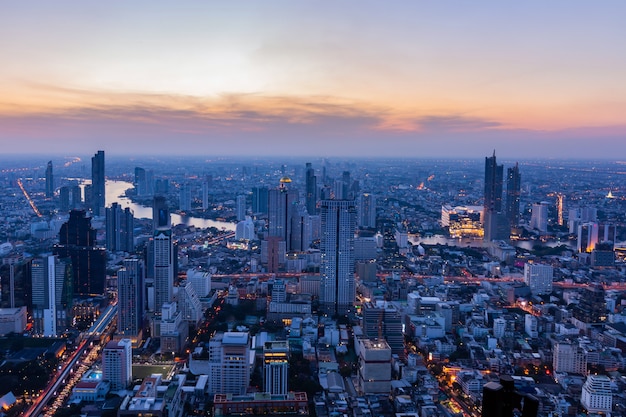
(51, 296)
(64, 198)
(97, 202)
(162, 186)
(185, 197)
(539, 278)
(587, 237)
(495, 222)
(117, 364)
(15, 278)
(383, 321)
(119, 229)
(597, 395)
(140, 183)
(205, 194)
(49, 181)
(279, 291)
(77, 241)
(311, 189)
(513, 192)
(163, 267)
(367, 211)
(260, 197)
(337, 256)
(130, 304)
(282, 205)
(229, 371)
(591, 307)
(539, 216)
(275, 367)
(160, 213)
(241, 207)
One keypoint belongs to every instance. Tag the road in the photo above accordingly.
(101, 324)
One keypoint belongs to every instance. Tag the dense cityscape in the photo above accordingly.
(324, 287)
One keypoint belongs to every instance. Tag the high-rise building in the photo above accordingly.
(513, 192)
(570, 358)
(337, 256)
(260, 198)
(185, 197)
(367, 211)
(591, 307)
(163, 268)
(141, 185)
(374, 375)
(160, 213)
(49, 181)
(559, 209)
(117, 364)
(539, 216)
(275, 367)
(119, 229)
(241, 207)
(493, 218)
(205, 194)
(597, 395)
(229, 370)
(51, 296)
(130, 304)
(539, 278)
(587, 237)
(97, 202)
(281, 206)
(311, 189)
(77, 241)
(384, 321)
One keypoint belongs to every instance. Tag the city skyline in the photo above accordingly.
(320, 79)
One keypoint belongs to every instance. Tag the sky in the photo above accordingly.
(314, 78)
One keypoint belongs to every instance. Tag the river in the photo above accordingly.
(115, 193)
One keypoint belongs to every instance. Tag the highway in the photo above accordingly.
(94, 333)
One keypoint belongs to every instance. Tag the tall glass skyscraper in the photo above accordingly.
(513, 192)
(49, 181)
(130, 284)
(97, 183)
(337, 291)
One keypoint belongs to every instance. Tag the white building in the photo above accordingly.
(539, 216)
(530, 326)
(245, 230)
(13, 320)
(117, 364)
(568, 357)
(228, 364)
(539, 278)
(374, 367)
(200, 280)
(499, 327)
(596, 396)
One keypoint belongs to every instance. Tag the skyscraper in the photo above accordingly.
(130, 305)
(241, 207)
(51, 296)
(367, 210)
(49, 181)
(282, 205)
(275, 367)
(185, 196)
(229, 370)
(513, 192)
(311, 189)
(539, 278)
(493, 217)
(539, 216)
(119, 228)
(77, 241)
(259, 199)
(162, 254)
(97, 183)
(337, 256)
